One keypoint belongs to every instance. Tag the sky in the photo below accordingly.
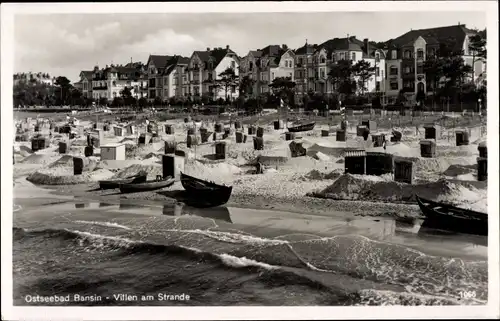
(65, 44)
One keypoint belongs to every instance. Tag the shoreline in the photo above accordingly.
(299, 205)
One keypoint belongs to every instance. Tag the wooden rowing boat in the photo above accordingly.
(451, 218)
(115, 183)
(147, 185)
(205, 193)
(302, 128)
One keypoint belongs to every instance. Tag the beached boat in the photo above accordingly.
(302, 128)
(451, 218)
(147, 185)
(115, 183)
(205, 193)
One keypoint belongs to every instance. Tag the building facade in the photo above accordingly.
(265, 65)
(406, 56)
(314, 64)
(167, 76)
(86, 83)
(110, 81)
(205, 69)
(38, 77)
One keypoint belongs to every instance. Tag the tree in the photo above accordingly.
(246, 86)
(157, 101)
(283, 88)
(228, 79)
(103, 101)
(128, 99)
(117, 101)
(64, 85)
(363, 71)
(477, 46)
(341, 77)
(142, 102)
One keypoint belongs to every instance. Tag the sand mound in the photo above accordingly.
(41, 159)
(458, 170)
(25, 149)
(64, 176)
(152, 170)
(317, 175)
(66, 160)
(441, 164)
(372, 188)
(133, 151)
(216, 172)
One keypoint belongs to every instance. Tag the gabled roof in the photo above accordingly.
(159, 61)
(306, 49)
(372, 49)
(256, 53)
(86, 74)
(339, 44)
(215, 55)
(174, 62)
(454, 35)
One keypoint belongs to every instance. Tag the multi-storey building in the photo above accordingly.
(304, 71)
(166, 76)
(110, 81)
(334, 50)
(38, 77)
(86, 83)
(406, 56)
(264, 65)
(205, 68)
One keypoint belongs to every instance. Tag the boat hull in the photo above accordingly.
(453, 219)
(146, 186)
(111, 184)
(301, 128)
(205, 194)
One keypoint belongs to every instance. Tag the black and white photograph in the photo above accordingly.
(253, 155)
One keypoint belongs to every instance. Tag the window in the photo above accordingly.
(407, 70)
(272, 76)
(333, 57)
(300, 61)
(341, 56)
(377, 72)
(323, 59)
(290, 75)
(250, 66)
(420, 54)
(322, 72)
(394, 85)
(354, 56)
(377, 86)
(377, 57)
(233, 64)
(393, 71)
(431, 53)
(262, 76)
(407, 54)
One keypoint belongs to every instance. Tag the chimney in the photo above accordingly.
(227, 47)
(367, 45)
(208, 48)
(285, 47)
